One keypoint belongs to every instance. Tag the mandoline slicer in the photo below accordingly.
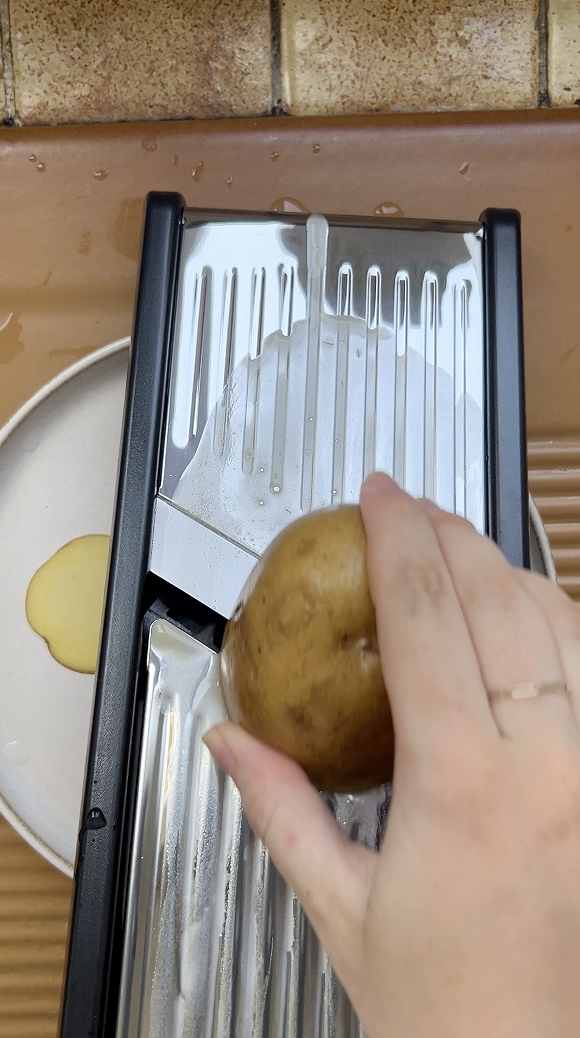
(277, 359)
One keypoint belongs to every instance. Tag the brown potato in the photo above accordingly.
(300, 663)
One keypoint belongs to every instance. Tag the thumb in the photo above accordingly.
(330, 875)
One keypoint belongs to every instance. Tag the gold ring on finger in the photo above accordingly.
(529, 690)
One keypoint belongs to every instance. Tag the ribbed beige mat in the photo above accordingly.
(555, 484)
(34, 907)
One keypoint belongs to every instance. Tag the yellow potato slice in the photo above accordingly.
(64, 602)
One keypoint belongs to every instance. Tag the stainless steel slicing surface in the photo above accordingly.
(308, 351)
(216, 944)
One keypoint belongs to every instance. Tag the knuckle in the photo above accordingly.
(496, 592)
(568, 616)
(462, 770)
(261, 813)
(419, 585)
(450, 521)
(563, 612)
(466, 790)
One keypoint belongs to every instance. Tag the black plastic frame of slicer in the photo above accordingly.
(507, 483)
(91, 987)
(106, 811)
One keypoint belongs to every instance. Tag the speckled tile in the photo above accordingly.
(111, 60)
(2, 89)
(564, 52)
(351, 56)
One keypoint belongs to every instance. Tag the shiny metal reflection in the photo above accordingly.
(216, 944)
(307, 352)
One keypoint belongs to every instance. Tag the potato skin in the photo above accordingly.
(300, 664)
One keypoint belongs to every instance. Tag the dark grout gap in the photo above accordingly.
(276, 34)
(542, 26)
(10, 118)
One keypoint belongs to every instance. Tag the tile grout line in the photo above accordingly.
(543, 30)
(276, 56)
(7, 62)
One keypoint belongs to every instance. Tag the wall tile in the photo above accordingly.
(350, 56)
(2, 89)
(564, 52)
(106, 60)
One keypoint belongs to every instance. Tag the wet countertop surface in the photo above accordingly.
(72, 201)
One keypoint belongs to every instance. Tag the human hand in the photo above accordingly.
(467, 923)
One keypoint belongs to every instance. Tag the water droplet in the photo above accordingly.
(276, 490)
(316, 148)
(288, 205)
(95, 819)
(100, 174)
(262, 469)
(176, 160)
(41, 167)
(463, 169)
(197, 173)
(149, 143)
(387, 209)
(334, 493)
(32, 158)
(84, 246)
(260, 502)
(229, 181)
(7, 321)
(11, 335)
(275, 155)
(311, 419)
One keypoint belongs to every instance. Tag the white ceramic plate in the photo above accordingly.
(58, 470)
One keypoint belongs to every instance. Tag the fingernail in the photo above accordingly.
(220, 749)
(427, 505)
(378, 483)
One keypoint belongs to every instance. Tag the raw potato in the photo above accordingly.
(300, 664)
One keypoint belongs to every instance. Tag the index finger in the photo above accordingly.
(429, 663)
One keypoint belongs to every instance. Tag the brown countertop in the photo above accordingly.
(71, 209)
(71, 203)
